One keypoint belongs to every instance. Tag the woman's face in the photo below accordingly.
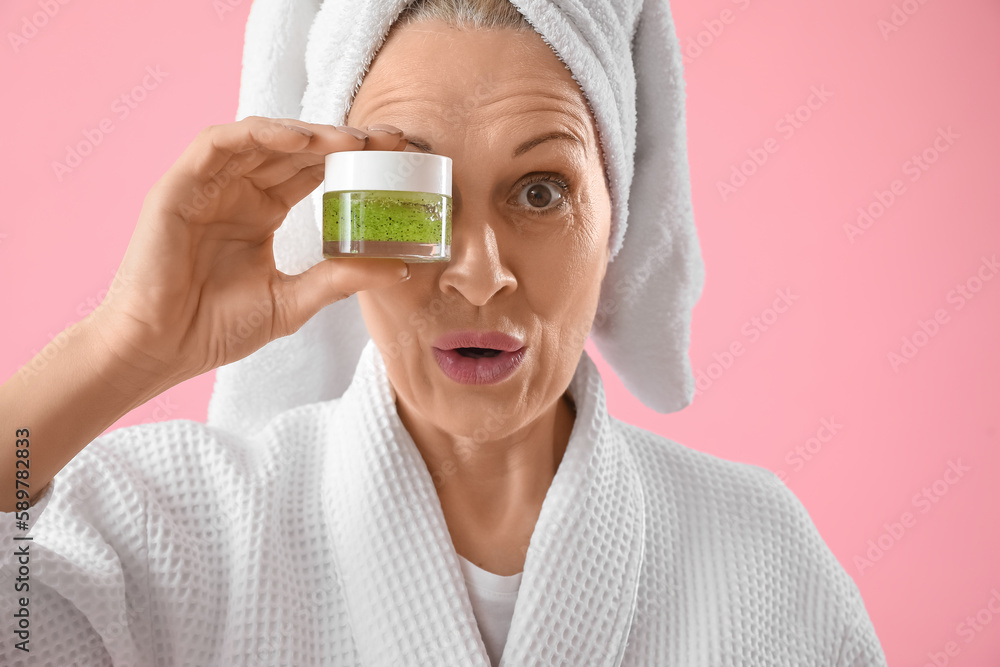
(530, 221)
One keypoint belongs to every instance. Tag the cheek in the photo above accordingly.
(566, 274)
(380, 314)
(582, 270)
(566, 300)
(370, 314)
(586, 247)
(596, 207)
(399, 317)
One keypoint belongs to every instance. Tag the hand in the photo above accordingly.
(197, 287)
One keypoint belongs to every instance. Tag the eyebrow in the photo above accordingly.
(422, 145)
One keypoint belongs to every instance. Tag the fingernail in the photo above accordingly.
(357, 134)
(391, 129)
(407, 276)
(302, 130)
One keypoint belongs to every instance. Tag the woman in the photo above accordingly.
(399, 522)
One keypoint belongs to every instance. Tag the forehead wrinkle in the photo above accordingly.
(551, 118)
(459, 83)
(549, 99)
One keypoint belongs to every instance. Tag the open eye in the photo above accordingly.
(543, 194)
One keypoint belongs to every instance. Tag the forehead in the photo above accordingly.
(477, 77)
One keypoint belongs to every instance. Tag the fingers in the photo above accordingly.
(301, 297)
(278, 168)
(217, 145)
(283, 158)
(383, 137)
(291, 190)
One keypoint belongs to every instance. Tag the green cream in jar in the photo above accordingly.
(387, 204)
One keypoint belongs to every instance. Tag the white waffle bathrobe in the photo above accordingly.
(321, 541)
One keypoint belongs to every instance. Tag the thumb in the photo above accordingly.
(300, 297)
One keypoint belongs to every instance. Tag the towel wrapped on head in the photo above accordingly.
(306, 60)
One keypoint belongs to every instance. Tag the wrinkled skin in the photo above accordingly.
(521, 263)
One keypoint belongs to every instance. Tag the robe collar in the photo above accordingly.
(401, 578)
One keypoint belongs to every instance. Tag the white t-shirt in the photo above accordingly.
(493, 597)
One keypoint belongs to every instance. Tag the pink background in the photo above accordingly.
(825, 357)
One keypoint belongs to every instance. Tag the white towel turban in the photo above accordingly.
(305, 59)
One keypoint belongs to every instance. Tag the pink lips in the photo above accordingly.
(483, 370)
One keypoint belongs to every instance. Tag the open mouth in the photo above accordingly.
(477, 352)
(478, 365)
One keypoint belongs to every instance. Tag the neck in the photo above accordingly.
(516, 464)
(491, 492)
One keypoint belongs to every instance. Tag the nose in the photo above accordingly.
(477, 268)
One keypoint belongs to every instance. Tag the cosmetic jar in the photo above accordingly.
(387, 204)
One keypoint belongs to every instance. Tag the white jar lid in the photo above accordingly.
(408, 171)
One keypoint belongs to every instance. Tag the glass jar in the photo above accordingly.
(387, 204)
